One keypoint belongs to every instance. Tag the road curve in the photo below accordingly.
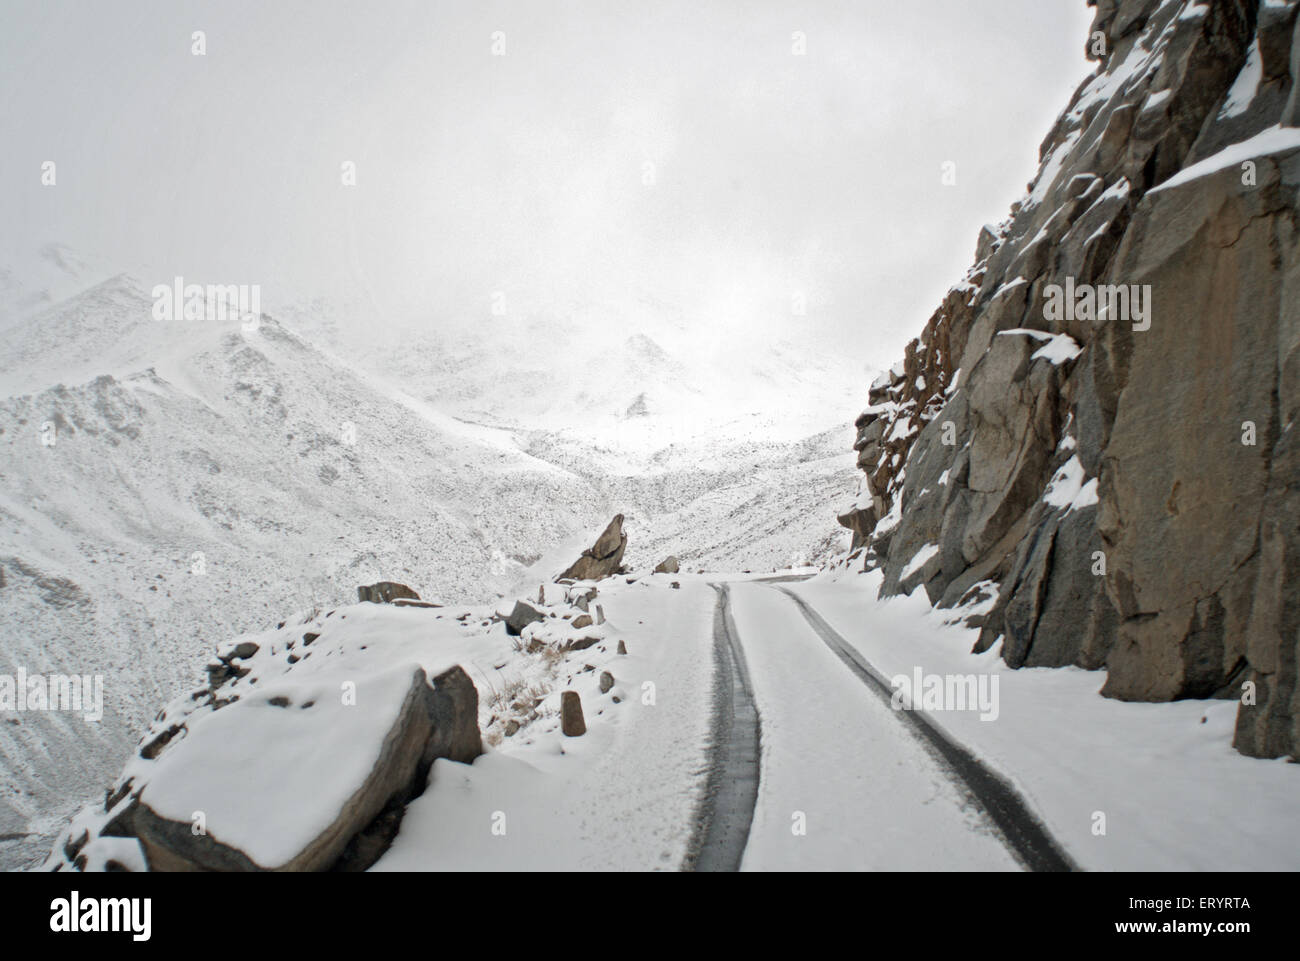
(726, 810)
(1026, 837)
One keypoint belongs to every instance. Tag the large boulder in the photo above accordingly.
(267, 785)
(603, 558)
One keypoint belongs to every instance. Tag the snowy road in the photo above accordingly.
(766, 745)
(845, 782)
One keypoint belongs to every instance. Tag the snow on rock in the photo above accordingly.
(1243, 91)
(1270, 141)
(1070, 488)
(285, 778)
(302, 737)
(919, 560)
(1056, 349)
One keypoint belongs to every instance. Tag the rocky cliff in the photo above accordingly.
(1096, 425)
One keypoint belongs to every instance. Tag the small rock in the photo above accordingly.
(511, 727)
(571, 721)
(385, 592)
(583, 620)
(600, 614)
(668, 565)
(606, 682)
(622, 648)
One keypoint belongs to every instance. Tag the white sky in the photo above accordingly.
(774, 173)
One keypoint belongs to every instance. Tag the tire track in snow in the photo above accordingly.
(1025, 835)
(731, 791)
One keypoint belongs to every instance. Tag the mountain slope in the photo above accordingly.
(169, 485)
(146, 515)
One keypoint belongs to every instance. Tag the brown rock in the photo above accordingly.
(603, 558)
(571, 720)
(385, 592)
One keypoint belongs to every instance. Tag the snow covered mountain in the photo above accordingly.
(170, 484)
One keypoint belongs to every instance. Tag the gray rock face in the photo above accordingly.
(603, 558)
(1129, 489)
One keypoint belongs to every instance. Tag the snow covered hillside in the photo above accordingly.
(170, 484)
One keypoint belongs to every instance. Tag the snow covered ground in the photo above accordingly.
(844, 782)
(1173, 793)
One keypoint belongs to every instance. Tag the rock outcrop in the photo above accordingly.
(603, 558)
(1097, 424)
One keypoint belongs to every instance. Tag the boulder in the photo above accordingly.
(522, 615)
(603, 558)
(434, 720)
(385, 592)
(667, 566)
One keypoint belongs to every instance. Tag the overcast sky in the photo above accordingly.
(677, 152)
